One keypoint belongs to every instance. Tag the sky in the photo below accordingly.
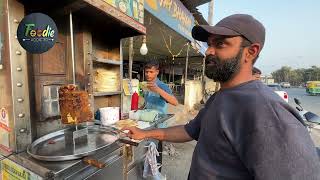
(292, 30)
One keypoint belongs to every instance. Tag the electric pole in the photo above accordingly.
(210, 12)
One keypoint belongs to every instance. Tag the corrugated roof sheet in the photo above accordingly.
(199, 17)
(192, 4)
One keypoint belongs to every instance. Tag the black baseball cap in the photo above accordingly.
(234, 25)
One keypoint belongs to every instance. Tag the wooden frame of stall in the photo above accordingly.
(101, 49)
(33, 80)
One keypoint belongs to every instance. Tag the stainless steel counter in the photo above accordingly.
(74, 169)
(111, 155)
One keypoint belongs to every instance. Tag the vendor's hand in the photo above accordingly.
(135, 133)
(152, 86)
(141, 108)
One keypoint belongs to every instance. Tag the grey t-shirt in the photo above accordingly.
(249, 132)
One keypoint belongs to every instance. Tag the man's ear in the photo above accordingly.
(253, 52)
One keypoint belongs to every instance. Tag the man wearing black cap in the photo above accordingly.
(245, 131)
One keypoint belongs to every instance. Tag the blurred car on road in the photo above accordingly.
(285, 85)
(277, 89)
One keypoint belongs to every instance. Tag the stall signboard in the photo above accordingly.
(37, 33)
(11, 170)
(132, 8)
(172, 13)
(130, 12)
(4, 129)
(4, 119)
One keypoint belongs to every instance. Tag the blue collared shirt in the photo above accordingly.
(155, 101)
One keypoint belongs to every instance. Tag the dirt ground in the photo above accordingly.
(176, 167)
(177, 156)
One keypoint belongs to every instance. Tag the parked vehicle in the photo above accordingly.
(277, 89)
(285, 85)
(313, 87)
(311, 120)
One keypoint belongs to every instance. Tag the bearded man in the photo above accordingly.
(245, 131)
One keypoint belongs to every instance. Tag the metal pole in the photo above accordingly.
(130, 57)
(210, 21)
(203, 74)
(121, 76)
(72, 56)
(169, 74)
(187, 61)
(210, 12)
(169, 80)
(173, 72)
(203, 67)
(143, 74)
(72, 50)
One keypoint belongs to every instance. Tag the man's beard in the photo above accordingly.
(222, 70)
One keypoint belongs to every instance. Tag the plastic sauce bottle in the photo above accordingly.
(134, 101)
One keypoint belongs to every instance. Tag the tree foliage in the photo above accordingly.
(296, 77)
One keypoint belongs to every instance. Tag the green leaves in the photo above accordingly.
(296, 77)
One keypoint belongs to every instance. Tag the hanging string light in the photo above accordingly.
(169, 50)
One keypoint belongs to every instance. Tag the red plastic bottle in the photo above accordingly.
(134, 101)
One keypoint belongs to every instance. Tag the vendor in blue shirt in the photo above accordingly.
(159, 93)
(158, 96)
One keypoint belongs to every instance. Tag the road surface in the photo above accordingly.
(310, 103)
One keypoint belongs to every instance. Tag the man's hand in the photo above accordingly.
(172, 134)
(152, 86)
(135, 133)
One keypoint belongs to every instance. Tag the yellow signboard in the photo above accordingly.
(132, 8)
(13, 171)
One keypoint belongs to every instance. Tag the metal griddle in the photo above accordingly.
(58, 146)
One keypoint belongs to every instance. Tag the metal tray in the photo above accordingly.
(57, 147)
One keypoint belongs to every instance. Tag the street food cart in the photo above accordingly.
(34, 143)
